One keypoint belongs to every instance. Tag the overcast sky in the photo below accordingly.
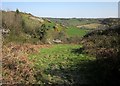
(66, 9)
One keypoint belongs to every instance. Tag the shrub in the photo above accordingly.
(17, 11)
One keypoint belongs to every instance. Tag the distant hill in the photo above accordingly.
(75, 21)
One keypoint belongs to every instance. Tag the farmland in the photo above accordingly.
(74, 31)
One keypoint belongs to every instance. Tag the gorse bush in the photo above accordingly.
(104, 44)
(107, 42)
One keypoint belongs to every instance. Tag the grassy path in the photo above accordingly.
(62, 64)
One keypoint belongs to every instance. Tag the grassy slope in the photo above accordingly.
(28, 28)
(25, 28)
(30, 22)
(61, 64)
(73, 31)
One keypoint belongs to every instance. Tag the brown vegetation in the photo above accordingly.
(16, 67)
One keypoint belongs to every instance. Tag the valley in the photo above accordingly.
(60, 51)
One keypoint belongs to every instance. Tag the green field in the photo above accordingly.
(73, 31)
(61, 64)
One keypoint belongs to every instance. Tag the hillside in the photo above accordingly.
(104, 44)
(23, 27)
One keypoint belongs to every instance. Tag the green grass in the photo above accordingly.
(60, 64)
(73, 31)
(30, 23)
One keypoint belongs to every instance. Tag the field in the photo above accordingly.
(90, 26)
(73, 31)
(61, 64)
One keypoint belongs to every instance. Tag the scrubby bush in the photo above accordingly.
(108, 42)
(105, 46)
(17, 11)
